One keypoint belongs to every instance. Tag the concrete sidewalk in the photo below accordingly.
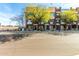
(42, 44)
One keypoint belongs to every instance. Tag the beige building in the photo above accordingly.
(2, 27)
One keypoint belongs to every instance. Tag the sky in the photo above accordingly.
(8, 10)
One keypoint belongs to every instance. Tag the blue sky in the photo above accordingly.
(8, 10)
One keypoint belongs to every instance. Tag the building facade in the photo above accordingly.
(55, 22)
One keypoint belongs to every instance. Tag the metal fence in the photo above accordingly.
(51, 27)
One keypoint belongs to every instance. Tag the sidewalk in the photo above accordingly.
(42, 44)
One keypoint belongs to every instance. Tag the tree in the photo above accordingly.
(37, 14)
(69, 15)
(18, 19)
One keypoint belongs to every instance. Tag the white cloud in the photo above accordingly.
(75, 5)
(5, 18)
(5, 7)
(40, 1)
(6, 15)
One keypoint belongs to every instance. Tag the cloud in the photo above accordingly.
(5, 8)
(74, 5)
(8, 11)
(6, 15)
(5, 18)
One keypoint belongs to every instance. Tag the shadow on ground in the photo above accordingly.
(15, 37)
(65, 33)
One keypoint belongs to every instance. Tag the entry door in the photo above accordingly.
(57, 27)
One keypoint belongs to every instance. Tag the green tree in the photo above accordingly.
(37, 14)
(69, 15)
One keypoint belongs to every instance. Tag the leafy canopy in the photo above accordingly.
(69, 15)
(37, 14)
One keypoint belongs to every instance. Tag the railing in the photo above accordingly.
(42, 27)
(51, 27)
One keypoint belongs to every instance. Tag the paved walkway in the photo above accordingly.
(43, 44)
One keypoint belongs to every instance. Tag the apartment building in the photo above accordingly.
(55, 22)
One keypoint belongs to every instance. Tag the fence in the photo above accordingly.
(52, 27)
(43, 27)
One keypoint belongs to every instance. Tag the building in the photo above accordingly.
(55, 22)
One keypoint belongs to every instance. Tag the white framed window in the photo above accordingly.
(29, 22)
(51, 22)
(57, 24)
